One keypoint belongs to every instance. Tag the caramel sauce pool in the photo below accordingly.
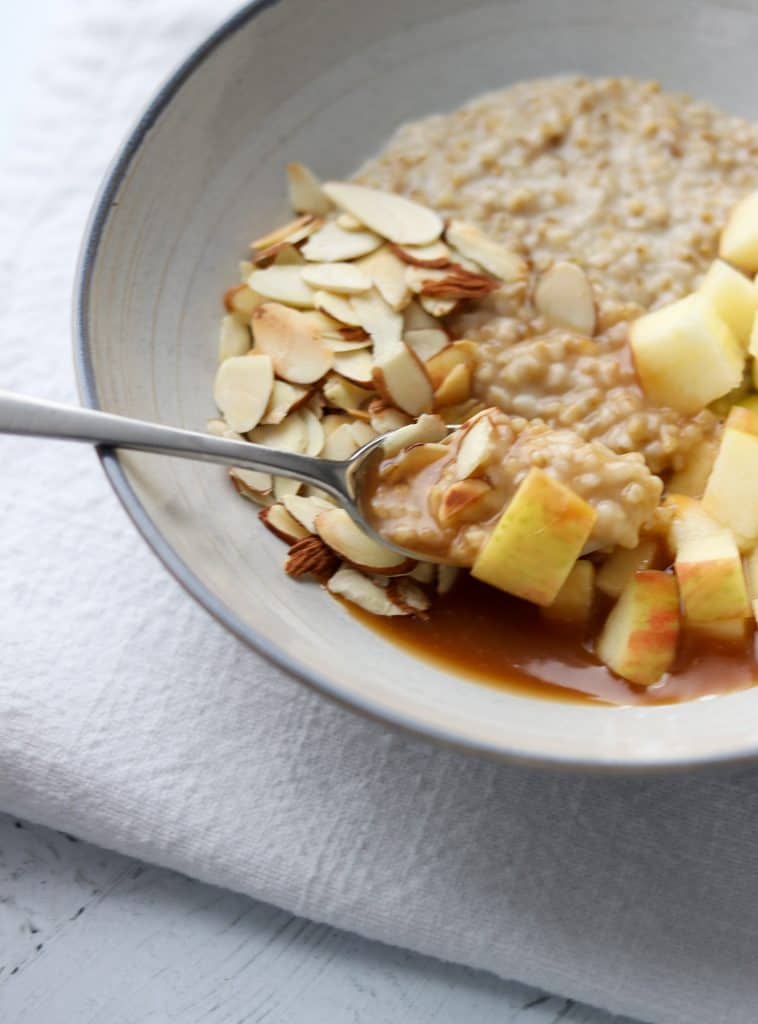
(482, 633)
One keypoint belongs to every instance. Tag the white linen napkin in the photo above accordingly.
(129, 717)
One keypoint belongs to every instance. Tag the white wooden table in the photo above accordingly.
(91, 937)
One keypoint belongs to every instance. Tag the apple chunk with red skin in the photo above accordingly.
(731, 494)
(640, 636)
(537, 540)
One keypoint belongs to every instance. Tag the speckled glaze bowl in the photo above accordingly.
(202, 173)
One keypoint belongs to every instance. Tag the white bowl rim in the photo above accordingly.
(181, 571)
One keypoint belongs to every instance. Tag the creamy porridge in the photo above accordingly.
(566, 268)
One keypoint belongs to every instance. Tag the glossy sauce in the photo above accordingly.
(479, 632)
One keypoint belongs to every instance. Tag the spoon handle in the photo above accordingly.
(35, 417)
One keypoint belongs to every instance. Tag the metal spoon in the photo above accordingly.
(344, 480)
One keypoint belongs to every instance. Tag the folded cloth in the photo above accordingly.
(132, 719)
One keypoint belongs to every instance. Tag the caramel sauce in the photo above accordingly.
(483, 634)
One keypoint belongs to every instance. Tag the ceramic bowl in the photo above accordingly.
(202, 173)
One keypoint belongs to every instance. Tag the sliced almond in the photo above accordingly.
(359, 590)
(446, 578)
(343, 536)
(245, 269)
(413, 460)
(285, 252)
(340, 444)
(387, 273)
(459, 353)
(394, 217)
(331, 243)
(425, 572)
(305, 192)
(435, 255)
(297, 351)
(234, 338)
(455, 388)
(341, 345)
(253, 485)
(437, 307)
(242, 389)
(453, 282)
(380, 321)
(285, 398)
(349, 222)
(315, 433)
(383, 418)
(465, 501)
(220, 429)
(362, 433)
(284, 486)
(333, 420)
(495, 258)
(400, 378)
(415, 318)
(409, 597)
(316, 405)
(336, 307)
(355, 366)
(291, 435)
(309, 556)
(288, 256)
(293, 231)
(277, 519)
(341, 393)
(283, 284)
(564, 296)
(427, 429)
(426, 342)
(462, 411)
(343, 278)
(305, 509)
(242, 300)
(475, 448)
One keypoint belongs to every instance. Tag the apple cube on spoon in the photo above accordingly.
(639, 639)
(537, 540)
(739, 239)
(731, 494)
(686, 356)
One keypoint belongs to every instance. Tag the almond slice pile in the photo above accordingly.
(337, 333)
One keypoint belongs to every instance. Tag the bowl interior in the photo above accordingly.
(326, 84)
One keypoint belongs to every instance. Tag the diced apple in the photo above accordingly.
(692, 479)
(751, 573)
(686, 356)
(537, 540)
(739, 239)
(640, 636)
(731, 494)
(722, 633)
(734, 296)
(753, 348)
(707, 565)
(573, 602)
(622, 564)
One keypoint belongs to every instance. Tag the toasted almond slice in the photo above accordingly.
(310, 557)
(298, 353)
(435, 255)
(340, 444)
(400, 378)
(425, 572)
(380, 321)
(455, 388)
(383, 418)
(242, 389)
(242, 300)
(315, 433)
(458, 353)
(437, 307)
(428, 428)
(285, 251)
(283, 284)
(413, 460)
(305, 192)
(220, 429)
(394, 217)
(415, 318)
(246, 268)
(337, 307)
(333, 420)
(564, 296)
(343, 278)
(359, 590)
(495, 258)
(338, 530)
(362, 433)
(340, 345)
(465, 501)
(453, 282)
(253, 485)
(285, 398)
(291, 435)
(234, 338)
(305, 509)
(475, 448)
(341, 393)
(462, 411)
(426, 342)
(277, 519)
(316, 405)
(284, 487)
(349, 222)
(446, 578)
(331, 243)
(387, 274)
(288, 256)
(285, 233)
(404, 592)
(356, 366)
